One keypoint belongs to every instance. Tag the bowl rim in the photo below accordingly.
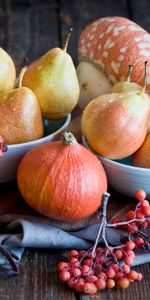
(143, 170)
(45, 138)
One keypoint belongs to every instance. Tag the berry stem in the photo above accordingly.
(102, 227)
(127, 222)
(106, 265)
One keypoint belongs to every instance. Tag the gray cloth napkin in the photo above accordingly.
(16, 233)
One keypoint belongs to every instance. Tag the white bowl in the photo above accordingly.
(123, 177)
(11, 159)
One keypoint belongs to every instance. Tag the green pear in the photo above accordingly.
(54, 81)
(20, 115)
(7, 72)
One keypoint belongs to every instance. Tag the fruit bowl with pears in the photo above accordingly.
(116, 124)
(115, 127)
(36, 107)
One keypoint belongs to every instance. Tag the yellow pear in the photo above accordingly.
(127, 85)
(7, 72)
(20, 115)
(54, 81)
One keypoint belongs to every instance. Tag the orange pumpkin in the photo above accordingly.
(62, 180)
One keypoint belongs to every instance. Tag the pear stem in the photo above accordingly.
(67, 39)
(145, 76)
(129, 72)
(22, 72)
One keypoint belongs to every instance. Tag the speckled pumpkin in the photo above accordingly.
(62, 180)
(113, 43)
(106, 48)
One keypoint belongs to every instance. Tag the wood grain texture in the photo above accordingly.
(37, 278)
(28, 30)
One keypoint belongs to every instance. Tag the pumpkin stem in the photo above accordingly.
(69, 139)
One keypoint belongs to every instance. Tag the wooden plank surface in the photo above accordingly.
(37, 278)
(28, 29)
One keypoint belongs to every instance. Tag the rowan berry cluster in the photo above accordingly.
(107, 266)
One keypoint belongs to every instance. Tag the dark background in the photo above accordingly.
(28, 28)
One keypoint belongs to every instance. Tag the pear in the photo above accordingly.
(115, 125)
(127, 85)
(54, 81)
(20, 115)
(7, 72)
(141, 158)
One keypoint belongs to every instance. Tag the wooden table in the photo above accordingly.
(28, 28)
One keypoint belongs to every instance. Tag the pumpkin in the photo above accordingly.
(106, 49)
(62, 180)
